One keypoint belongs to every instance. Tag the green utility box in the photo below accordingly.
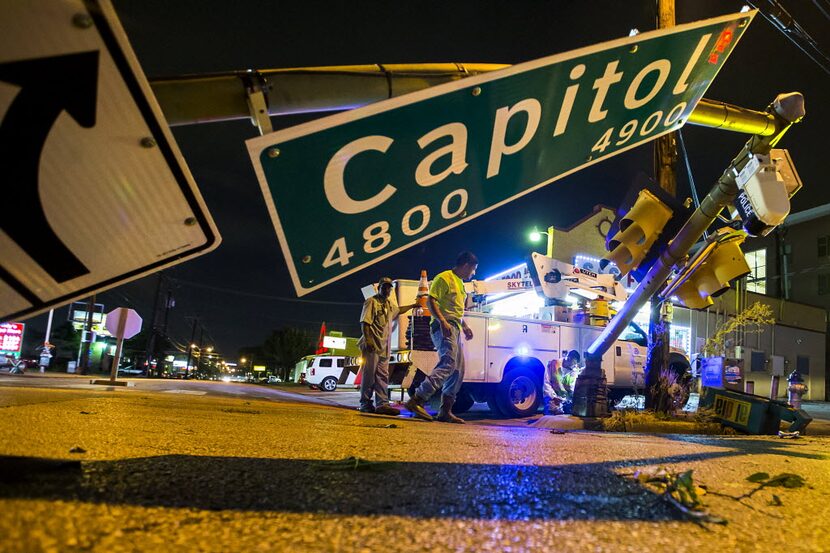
(753, 414)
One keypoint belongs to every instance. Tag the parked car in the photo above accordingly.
(274, 379)
(326, 372)
(130, 371)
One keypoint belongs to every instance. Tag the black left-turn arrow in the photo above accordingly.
(48, 86)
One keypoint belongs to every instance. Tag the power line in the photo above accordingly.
(780, 18)
(824, 9)
(264, 296)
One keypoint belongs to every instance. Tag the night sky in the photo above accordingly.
(242, 290)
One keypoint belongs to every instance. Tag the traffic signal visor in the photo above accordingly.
(708, 274)
(638, 230)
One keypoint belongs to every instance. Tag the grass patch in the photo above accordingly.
(627, 420)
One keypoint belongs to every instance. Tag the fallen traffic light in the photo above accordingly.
(709, 272)
(636, 232)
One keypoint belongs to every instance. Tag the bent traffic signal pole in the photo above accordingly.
(786, 110)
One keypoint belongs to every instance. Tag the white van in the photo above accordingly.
(326, 372)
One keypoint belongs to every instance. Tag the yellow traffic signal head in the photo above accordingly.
(638, 230)
(708, 274)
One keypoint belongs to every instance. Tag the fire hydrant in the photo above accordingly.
(796, 389)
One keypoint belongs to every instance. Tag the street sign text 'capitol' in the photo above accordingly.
(348, 190)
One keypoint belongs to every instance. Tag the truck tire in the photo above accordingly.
(679, 365)
(329, 384)
(463, 401)
(519, 393)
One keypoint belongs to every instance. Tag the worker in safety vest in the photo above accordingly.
(560, 378)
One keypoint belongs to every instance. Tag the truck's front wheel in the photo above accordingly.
(519, 393)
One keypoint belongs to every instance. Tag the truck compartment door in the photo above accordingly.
(474, 350)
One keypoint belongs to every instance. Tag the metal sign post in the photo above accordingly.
(124, 323)
(349, 190)
(119, 343)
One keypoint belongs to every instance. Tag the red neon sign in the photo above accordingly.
(11, 337)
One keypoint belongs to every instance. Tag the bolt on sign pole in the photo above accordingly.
(665, 160)
(787, 110)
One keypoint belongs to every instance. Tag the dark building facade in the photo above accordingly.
(793, 264)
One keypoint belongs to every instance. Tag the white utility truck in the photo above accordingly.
(505, 360)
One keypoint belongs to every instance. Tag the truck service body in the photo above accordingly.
(506, 358)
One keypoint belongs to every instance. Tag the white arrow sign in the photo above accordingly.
(95, 191)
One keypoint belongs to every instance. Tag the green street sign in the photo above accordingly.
(349, 190)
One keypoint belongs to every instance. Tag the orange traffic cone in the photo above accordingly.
(423, 292)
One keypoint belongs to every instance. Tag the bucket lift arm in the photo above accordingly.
(554, 280)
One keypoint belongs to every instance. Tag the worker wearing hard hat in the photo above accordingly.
(379, 312)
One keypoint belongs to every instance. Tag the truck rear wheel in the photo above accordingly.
(519, 393)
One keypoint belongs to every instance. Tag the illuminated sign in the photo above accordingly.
(78, 312)
(259, 368)
(334, 342)
(11, 337)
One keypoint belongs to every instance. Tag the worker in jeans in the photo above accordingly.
(560, 378)
(379, 313)
(446, 301)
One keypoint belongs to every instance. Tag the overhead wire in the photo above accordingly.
(689, 175)
(778, 17)
(265, 296)
(825, 9)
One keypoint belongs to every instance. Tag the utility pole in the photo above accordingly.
(659, 328)
(83, 361)
(169, 303)
(190, 347)
(201, 347)
(151, 341)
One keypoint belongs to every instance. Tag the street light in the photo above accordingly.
(536, 235)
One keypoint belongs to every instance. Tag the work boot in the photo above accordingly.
(386, 409)
(366, 408)
(415, 405)
(445, 414)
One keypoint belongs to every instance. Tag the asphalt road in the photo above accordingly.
(191, 466)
